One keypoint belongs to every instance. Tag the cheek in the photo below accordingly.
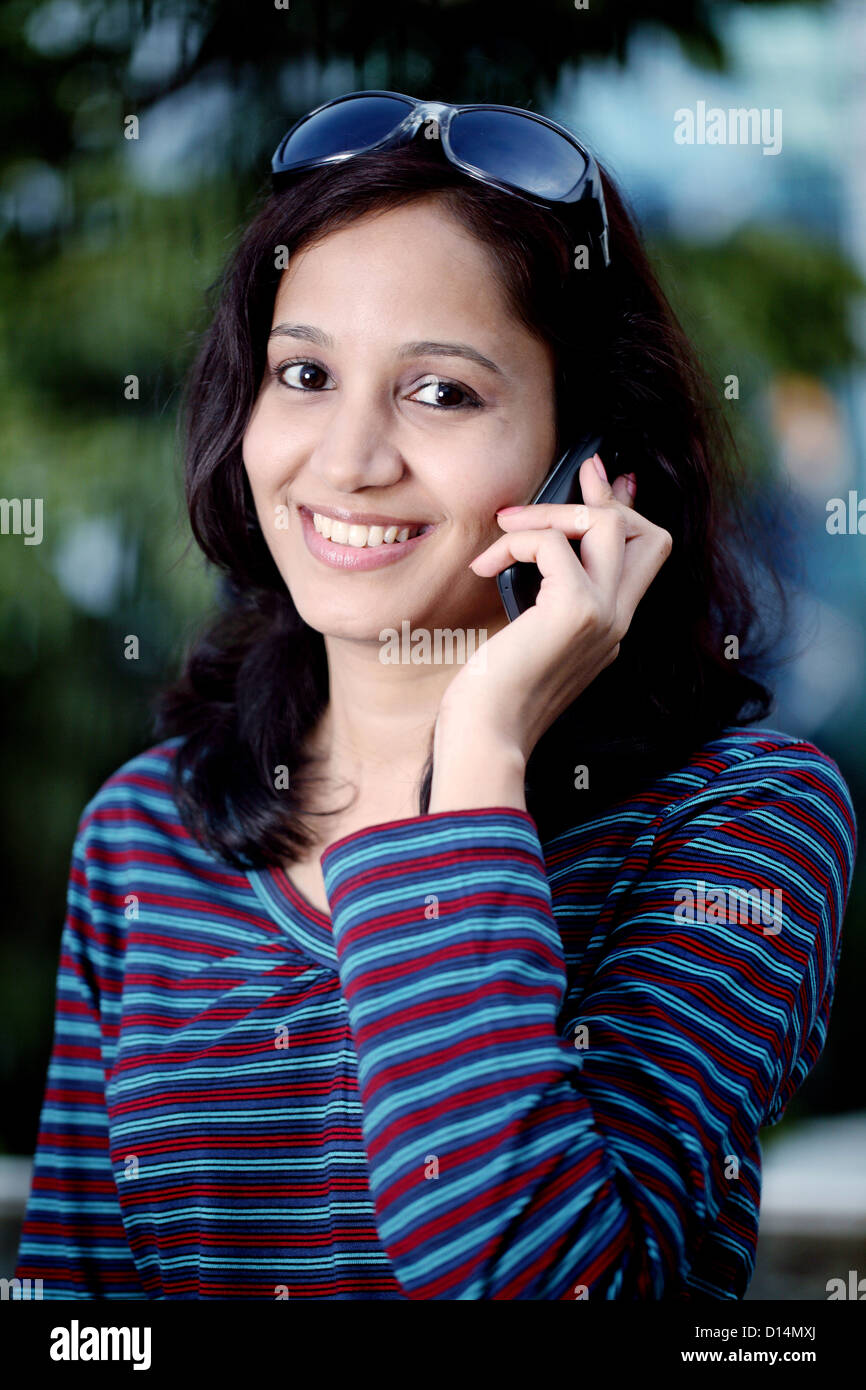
(516, 472)
(260, 451)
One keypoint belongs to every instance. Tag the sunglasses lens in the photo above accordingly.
(517, 151)
(340, 129)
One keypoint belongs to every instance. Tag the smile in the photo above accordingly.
(342, 533)
(356, 545)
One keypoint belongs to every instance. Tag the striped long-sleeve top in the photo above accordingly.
(496, 1069)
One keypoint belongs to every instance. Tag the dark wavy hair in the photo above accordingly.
(255, 680)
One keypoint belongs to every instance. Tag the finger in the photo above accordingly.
(602, 491)
(548, 549)
(644, 558)
(573, 518)
(603, 547)
(624, 489)
(595, 488)
(602, 553)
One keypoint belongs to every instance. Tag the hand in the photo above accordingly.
(519, 681)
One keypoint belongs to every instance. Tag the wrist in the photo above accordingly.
(473, 767)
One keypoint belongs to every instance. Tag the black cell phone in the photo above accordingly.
(519, 584)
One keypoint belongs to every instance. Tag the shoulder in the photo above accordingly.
(139, 792)
(741, 774)
(751, 752)
(135, 862)
(128, 832)
(132, 823)
(749, 803)
(746, 769)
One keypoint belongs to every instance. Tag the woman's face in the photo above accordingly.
(400, 392)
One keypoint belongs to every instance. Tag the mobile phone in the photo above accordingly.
(520, 582)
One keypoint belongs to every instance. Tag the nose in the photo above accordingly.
(356, 448)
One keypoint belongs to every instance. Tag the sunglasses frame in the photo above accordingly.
(587, 187)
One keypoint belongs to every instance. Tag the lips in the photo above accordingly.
(360, 540)
(365, 518)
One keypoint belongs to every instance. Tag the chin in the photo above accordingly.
(352, 623)
(355, 607)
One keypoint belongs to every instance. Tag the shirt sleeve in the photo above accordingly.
(526, 1145)
(73, 1238)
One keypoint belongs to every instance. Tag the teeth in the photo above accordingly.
(344, 534)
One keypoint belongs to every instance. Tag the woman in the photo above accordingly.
(443, 979)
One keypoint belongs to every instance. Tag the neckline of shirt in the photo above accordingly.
(294, 894)
(309, 929)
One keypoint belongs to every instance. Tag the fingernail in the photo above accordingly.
(599, 468)
(503, 511)
(631, 484)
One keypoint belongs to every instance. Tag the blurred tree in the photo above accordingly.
(60, 55)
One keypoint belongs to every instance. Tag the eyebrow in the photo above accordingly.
(425, 348)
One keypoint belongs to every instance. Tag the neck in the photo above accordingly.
(376, 732)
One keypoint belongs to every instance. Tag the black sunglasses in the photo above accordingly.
(510, 149)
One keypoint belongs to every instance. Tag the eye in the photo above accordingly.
(308, 375)
(441, 395)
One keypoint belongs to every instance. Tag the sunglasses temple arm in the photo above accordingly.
(593, 195)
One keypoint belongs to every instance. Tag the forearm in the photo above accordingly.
(473, 768)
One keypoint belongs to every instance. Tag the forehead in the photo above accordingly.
(413, 270)
(417, 247)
